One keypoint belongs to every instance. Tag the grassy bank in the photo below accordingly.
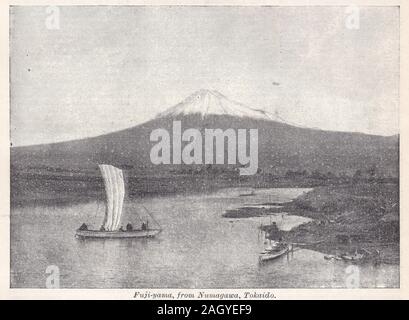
(349, 217)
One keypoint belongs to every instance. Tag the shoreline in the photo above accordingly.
(348, 218)
(347, 214)
(360, 216)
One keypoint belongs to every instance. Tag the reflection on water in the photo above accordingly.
(197, 248)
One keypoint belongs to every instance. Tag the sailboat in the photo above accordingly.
(115, 193)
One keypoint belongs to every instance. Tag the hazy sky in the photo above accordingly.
(109, 68)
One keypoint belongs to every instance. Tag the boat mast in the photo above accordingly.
(154, 220)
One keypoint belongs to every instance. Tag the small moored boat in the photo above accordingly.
(362, 255)
(274, 251)
(249, 194)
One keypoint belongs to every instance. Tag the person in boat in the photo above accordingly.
(129, 227)
(143, 226)
(83, 227)
(273, 232)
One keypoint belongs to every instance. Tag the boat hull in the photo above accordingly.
(96, 234)
(274, 255)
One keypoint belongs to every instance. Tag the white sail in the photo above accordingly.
(115, 193)
(119, 193)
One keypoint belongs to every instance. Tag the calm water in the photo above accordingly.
(197, 248)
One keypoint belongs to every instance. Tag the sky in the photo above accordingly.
(103, 69)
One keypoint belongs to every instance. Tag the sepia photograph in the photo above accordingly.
(204, 147)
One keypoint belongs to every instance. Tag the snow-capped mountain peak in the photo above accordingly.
(211, 102)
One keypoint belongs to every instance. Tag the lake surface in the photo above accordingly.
(197, 248)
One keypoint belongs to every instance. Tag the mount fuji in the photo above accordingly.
(210, 102)
(282, 146)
